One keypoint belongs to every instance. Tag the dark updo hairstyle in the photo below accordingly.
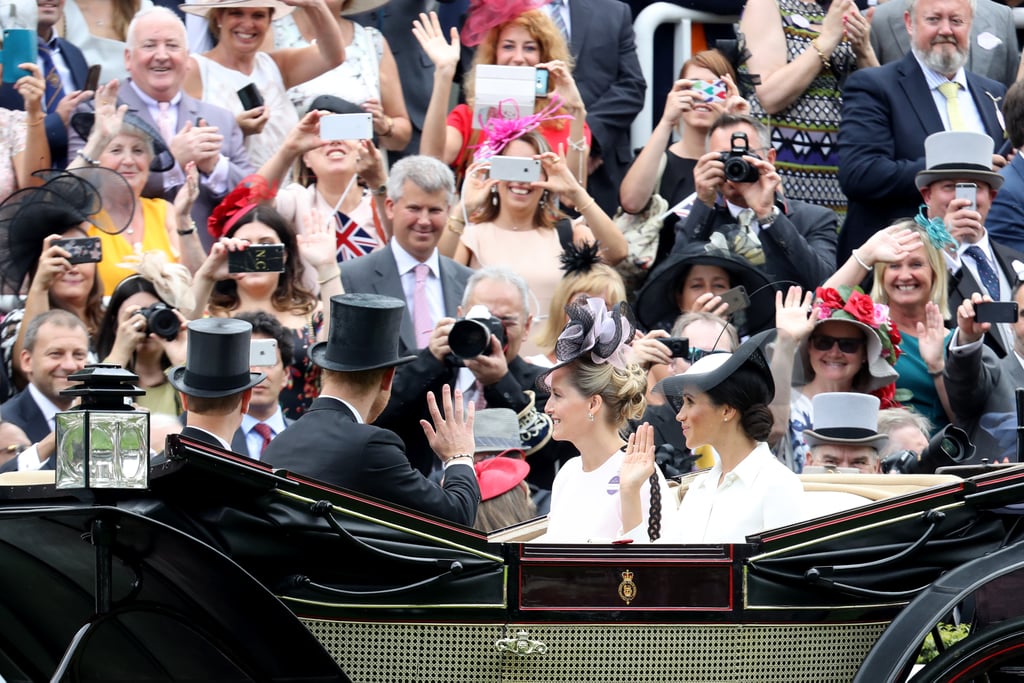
(290, 294)
(749, 393)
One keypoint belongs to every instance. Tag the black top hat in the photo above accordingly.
(714, 368)
(218, 359)
(656, 303)
(162, 160)
(365, 330)
(66, 199)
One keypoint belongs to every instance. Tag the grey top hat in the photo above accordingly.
(845, 418)
(496, 430)
(958, 154)
(365, 331)
(217, 363)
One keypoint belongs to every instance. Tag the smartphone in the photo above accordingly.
(996, 312)
(968, 191)
(542, 82)
(711, 91)
(82, 249)
(519, 169)
(679, 347)
(92, 78)
(250, 97)
(347, 127)
(20, 46)
(257, 258)
(263, 352)
(736, 298)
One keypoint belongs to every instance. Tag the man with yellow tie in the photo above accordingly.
(888, 112)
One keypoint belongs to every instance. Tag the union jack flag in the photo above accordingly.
(352, 239)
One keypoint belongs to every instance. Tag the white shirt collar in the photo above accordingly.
(935, 79)
(275, 422)
(149, 101)
(47, 407)
(359, 418)
(406, 261)
(222, 442)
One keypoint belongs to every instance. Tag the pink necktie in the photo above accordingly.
(422, 321)
(165, 122)
(263, 429)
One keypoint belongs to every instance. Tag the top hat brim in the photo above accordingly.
(202, 9)
(876, 441)
(177, 379)
(318, 354)
(656, 301)
(990, 178)
(749, 351)
(83, 121)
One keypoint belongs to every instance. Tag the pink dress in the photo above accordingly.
(12, 141)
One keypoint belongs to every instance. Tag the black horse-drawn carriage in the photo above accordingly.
(225, 570)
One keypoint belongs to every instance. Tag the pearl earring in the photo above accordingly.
(494, 195)
(543, 198)
(590, 416)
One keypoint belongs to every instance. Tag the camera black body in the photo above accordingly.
(738, 169)
(161, 320)
(950, 446)
(471, 336)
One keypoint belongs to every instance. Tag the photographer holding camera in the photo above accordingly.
(739, 195)
(479, 354)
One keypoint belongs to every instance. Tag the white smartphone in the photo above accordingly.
(263, 352)
(968, 191)
(518, 169)
(347, 127)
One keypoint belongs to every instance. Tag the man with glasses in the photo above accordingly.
(793, 242)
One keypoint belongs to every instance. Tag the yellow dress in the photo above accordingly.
(116, 248)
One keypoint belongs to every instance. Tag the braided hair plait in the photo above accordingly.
(654, 518)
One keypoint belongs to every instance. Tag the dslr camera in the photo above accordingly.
(951, 446)
(161, 320)
(471, 336)
(738, 169)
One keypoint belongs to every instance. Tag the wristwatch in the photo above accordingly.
(767, 222)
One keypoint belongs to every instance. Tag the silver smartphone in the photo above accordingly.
(347, 127)
(263, 352)
(518, 169)
(968, 191)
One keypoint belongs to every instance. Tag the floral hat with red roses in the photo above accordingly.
(851, 305)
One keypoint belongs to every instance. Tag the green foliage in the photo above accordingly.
(950, 634)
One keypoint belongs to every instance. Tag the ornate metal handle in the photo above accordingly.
(521, 645)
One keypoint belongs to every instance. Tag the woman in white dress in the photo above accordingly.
(593, 395)
(99, 28)
(236, 61)
(721, 400)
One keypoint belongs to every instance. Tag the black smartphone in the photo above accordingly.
(250, 97)
(996, 312)
(92, 78)
(679, 347)
(257, 258)
(736, 299)
(82, 249)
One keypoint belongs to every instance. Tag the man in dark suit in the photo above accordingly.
(56, 346)
(978, 264)
(215, 382)
(797, 240)
(993, 39)
(332, 440)
(889, 111)
(264, 419)
(1005, 222)
(612, 86)
(420, 191)
(156, 59)
(981, 386)
(65, 77)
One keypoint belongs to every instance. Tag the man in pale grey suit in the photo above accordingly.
(420, 192)
(994, 52)
(981, 386)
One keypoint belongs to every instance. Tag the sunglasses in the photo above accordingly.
(823, 342)
(697, 354)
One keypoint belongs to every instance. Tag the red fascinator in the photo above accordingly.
(500, 475)
(250, 192)
(483, 15)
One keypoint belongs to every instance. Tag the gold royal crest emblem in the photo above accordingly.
(627, 589)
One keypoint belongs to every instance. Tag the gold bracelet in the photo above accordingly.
(458, 456)
(457, 219)
(330, 277)
(824, 59)
(391, 127)
(32, 124)
(581, 209)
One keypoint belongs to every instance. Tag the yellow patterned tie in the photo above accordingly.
(951, 91)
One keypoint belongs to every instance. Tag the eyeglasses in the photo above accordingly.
(697, 354)
(823, 342)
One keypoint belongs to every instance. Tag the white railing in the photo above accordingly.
(647, 22)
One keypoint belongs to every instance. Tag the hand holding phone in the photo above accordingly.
(92, 78)
(250, 97)
(995, 312)
(711, 91)
(516, 169)
(82, 249)
(347, 127)
(257, 258)
(968, 191)
(736, 299)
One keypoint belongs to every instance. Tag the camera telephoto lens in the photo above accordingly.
(162, 321)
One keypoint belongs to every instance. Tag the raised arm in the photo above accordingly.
(327, 49)
(437, 139)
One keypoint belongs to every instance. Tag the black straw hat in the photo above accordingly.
(218, 359)
(162, 160)
(714, 368)
(365, 330)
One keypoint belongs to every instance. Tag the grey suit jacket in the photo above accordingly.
(995, 56)
(377, 273)
(190, 109)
